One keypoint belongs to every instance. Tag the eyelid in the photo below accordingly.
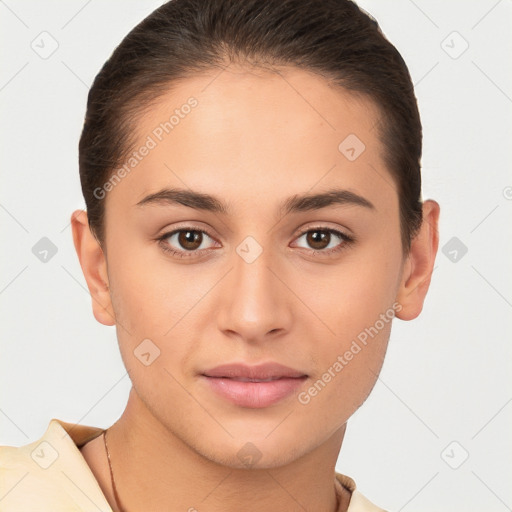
(184, 226)
(168, 234)
(323, 227)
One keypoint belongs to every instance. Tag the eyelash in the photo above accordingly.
(347, 240)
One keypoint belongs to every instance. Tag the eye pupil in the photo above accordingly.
(190, 240)
(318, 239)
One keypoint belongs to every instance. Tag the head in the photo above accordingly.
(283, 139)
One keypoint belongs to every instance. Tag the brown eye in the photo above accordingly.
(324, 240)
(190, 240)
(186, 242)
(318, 239)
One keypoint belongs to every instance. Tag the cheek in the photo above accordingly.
(156, 300)
(151, 294)
(344, 383)
(351, 296)
(354, 305)
(349, 361)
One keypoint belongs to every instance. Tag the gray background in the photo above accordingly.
(444, 393)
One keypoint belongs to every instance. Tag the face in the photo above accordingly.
(254, 269)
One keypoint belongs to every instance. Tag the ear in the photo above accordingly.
(94, 267)
(419, 264)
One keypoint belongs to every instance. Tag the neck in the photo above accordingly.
(154, 468)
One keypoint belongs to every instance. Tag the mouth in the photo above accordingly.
(256, 373)
(254, 386)
(247, 379)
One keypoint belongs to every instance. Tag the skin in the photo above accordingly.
(254, 139)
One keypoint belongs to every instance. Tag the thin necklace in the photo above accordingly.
(116, 497)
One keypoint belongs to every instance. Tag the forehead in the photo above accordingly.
(248, 133)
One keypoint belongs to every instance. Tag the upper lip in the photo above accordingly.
(261, 371)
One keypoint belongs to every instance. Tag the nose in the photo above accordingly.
(255, 305)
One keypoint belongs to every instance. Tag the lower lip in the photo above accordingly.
(254, 394)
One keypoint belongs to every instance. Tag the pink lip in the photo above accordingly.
(254, 394)
(261, 371)
(225, 381)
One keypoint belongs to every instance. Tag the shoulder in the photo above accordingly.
(358, 502)
(50, 473)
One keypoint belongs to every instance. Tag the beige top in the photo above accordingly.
(51, 474)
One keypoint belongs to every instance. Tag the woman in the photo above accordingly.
(251, 170)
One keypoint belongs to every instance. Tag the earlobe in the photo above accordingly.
(94, 267)
(419, 265)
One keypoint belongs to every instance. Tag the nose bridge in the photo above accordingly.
(253, 302)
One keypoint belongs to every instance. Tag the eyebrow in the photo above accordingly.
(293, 204)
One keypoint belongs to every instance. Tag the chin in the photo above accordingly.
(260, 453)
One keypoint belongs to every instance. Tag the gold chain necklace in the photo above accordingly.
(116, 497)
